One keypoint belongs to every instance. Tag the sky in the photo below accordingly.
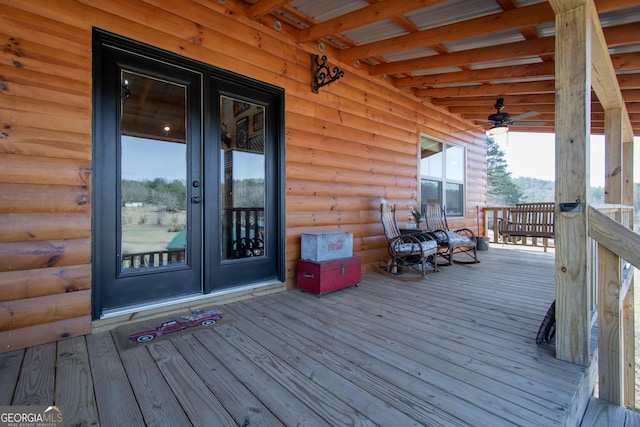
(533, 155)
(146, 159)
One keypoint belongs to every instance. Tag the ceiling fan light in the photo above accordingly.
(498, 130)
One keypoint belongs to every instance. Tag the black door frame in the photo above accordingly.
(214, 83)
(247, 270)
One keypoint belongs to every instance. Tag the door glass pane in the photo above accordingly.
(153, 165)
(242, 181)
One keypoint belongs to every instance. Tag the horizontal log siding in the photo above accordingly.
(45, 179)
(346, 147)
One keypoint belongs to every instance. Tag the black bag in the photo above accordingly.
(547, 330)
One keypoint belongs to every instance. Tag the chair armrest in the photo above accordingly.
(466, 232)
(423, 235)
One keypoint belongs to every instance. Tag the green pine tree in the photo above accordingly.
(501, 190)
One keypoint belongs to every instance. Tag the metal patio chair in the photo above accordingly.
(450, 242)
(412, 252)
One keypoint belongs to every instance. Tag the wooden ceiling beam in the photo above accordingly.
(496, 90)
(548, 117)
(485, 110)
(531, 101)
(632, 95)
(265, 7)
(631, 81)
(609, 5)
(298, 19)
(595, 130)
(621, 62)
(633, 107)
(628, 81)
(633, 117)
(620, 35)
(488, 101)
(510, 19)
(484, 54)
(499, 73)
(533, 129)
(495, 23)
(364, 16)
(626, 61)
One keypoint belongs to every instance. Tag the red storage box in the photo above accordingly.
(321, 277)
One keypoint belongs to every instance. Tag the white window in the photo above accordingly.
(442, 168)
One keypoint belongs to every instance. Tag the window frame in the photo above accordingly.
(442, 181)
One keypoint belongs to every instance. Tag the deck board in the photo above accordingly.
(454, 346)
(281, 400)
(374, 394)
(599, 413)
(316, 363)
(198, 401)
(74, 385)
(410, 349)
(384, 370)
(330, 406)
(10, 364)
(466, 330)
(158, 404)
(115, 400)
(457, 349)
(36, 382)
(231, 392)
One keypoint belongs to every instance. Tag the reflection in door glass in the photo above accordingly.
(242, 185)
(153, 165)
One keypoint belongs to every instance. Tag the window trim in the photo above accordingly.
(443, 179)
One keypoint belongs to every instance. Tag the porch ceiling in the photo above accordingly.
(461, 54)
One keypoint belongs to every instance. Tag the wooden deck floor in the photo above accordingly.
(457, 349)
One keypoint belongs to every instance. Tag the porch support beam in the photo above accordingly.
(610, 336)
(628, 307)
(573, 112)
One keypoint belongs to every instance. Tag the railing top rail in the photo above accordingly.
(604, 207)
(619, 239)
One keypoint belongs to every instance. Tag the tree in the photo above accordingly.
(134, 191)
(501, 190)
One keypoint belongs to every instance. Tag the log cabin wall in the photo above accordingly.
(355, 141)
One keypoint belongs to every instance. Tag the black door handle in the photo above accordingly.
(196, 199)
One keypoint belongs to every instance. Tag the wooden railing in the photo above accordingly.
(152, 259)
(494, 215)
(243, 232)
(615, 248)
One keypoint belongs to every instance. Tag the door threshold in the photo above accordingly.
(116, 317)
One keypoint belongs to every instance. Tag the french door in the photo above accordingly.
(187, 179)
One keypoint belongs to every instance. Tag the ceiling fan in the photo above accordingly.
(502, 120)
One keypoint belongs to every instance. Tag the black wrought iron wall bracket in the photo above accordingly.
(322, 74)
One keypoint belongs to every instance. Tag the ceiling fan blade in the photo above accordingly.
(482, 120)
(528, 124)
(524, 115)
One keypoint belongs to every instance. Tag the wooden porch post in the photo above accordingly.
(573, 112)
(610, 337)
(628, 308)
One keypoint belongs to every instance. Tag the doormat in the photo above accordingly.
(136, 334)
